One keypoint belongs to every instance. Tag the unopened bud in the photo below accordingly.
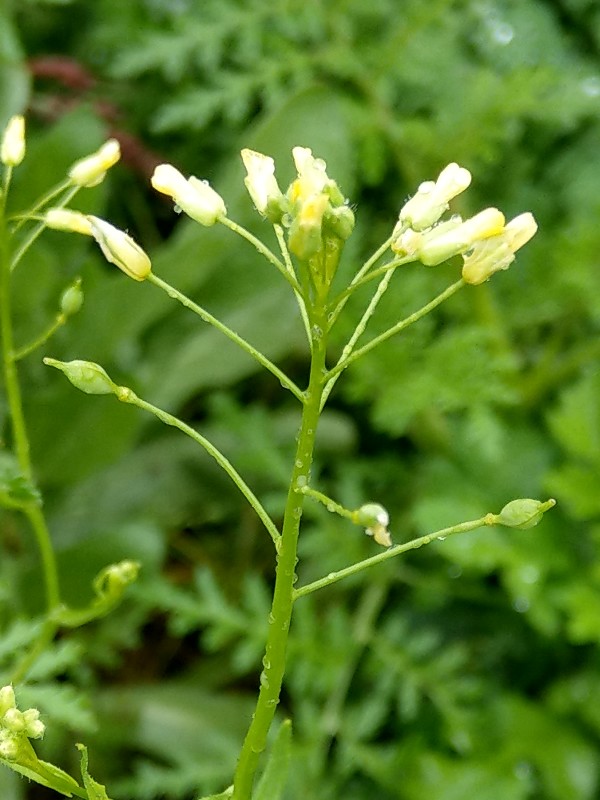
(34, 727)
(120, 249)
(432, 198)
(262, 185)
(62, 219)
(440, 245)
(523, 513)
(85, 375)
(13, 720)
(12, 150)
(91, 170)
(305, 236)
(72, 298)
(9, 748)
(195, 197)
(7, 699)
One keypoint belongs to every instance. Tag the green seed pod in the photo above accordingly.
(85, 375)
(523, 513)
(72, 298)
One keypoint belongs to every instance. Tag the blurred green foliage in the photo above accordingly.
(470, 667)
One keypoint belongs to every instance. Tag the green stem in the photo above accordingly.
(263, 250)
(286, 382)
(19, 428)
(39, 228)
(372, 276)
(358, 277)
(125, 395)
(400, 326)
(281, 610)
(334, 577)
(43, 337)
(290, 268)
(329, 503)
(358, 332)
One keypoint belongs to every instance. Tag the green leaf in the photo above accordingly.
(95, 790)
(274, 778)
(15, 488)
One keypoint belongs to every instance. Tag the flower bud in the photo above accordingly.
(437, 246)
(520, 230)
(498, 252)
(305, 236)
(9, 748)
(523, 513)
(375, 519)
(261, 183)
(7, 699)
(340, 222)
(432, 198)
(312, 175)
(120, 249)
(196, 198)
(34, 727)
(13, 720)
(62, 219)
(12, 150)
(91, 170)
(72, 298)
(85, 375)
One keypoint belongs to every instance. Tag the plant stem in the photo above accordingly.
(39, 228)
(334, 577)
(399, 326)
(286, 382)
(263, 250)
(125, 395)
(19, 428)
(281, 610)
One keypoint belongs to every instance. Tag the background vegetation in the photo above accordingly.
(470, 667)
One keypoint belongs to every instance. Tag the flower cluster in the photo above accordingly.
(16, 726)
(486, 242)
(313, 207)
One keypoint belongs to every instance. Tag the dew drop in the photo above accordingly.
(591, 86)
(501, 32)
(266, 663)
(271, 618)
(441, 538)
(330, 507)
(301, 481)
(521, 604)
(299, 463)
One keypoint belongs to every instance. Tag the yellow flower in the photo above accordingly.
(260, 182)
(120, 249)
(91, 170)
(12, 150)
(498, 252)
(432, 198)
(62, 219)
(195, 197)
(444, 241)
